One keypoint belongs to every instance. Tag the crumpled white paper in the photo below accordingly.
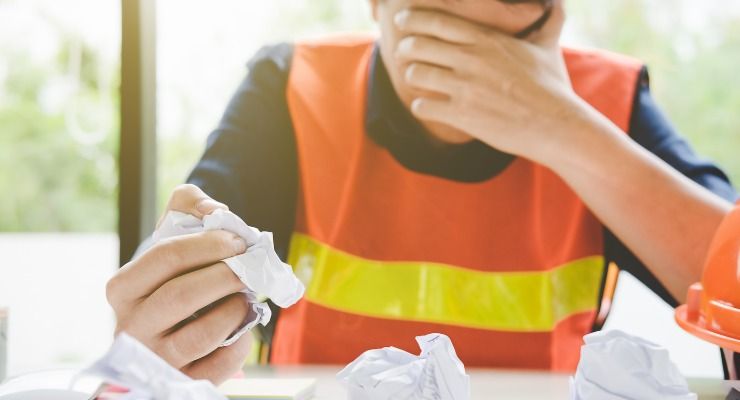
(617, 366)
(393, 374)
(259, 268)
(130, 364)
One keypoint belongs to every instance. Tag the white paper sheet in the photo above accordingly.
(393, 374)
(130, 364)
(259, 268)
(617, 366)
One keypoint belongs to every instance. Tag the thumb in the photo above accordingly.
(190, 199)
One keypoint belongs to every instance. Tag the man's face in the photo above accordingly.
(506, 18)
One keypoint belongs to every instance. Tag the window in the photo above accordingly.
(691, 49)
(59, 66)
(200, 68)
(59, 141)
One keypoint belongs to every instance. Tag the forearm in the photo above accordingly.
(517, 97)
(666, 219)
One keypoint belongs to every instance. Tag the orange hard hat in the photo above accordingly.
(712, 310)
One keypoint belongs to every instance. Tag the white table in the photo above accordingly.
(486, 384)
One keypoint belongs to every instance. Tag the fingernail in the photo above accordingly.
(207, 206)
(404, 45)
(401, 17)
(409, 71)
(416, 104)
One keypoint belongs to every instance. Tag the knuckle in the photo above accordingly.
(183, 197)
(465, 94)
(456, 92)
(170, 351)
(223, 242)
(480, 35)
(188, 347)
(240, 351)
(167, 253)
(184, 190)
(232, 281)
(174, 294)
(123, 325)
(477, 93)
(471, 60)
(113, 289)
(240, 303)
(134, 325)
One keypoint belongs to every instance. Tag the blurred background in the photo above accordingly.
(59, 136)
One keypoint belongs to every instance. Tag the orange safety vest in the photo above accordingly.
(510, 268)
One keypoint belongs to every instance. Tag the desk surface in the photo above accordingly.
(485, 384)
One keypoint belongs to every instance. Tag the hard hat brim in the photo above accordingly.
(699, 329)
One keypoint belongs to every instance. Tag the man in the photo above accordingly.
(462, 175)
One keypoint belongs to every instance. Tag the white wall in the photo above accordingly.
(54, 285)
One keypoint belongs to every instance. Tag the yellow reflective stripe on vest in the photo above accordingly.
(446, 294)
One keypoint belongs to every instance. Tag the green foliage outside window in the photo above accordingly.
(693, 58)
(59, 123)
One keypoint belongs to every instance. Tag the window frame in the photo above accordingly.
(138, 137)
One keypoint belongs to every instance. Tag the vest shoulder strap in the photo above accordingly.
(608, 81)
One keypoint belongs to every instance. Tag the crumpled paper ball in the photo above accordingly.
(259, 268)
(130, 364)
(393, 374)
(617, 366)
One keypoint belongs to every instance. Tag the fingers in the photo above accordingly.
(169, 258)
(428, 50)
(205, 334)
(462, 108)
(432, 78)
(190, 199)
(222, 363)
(440, 25)
(181, 297)
(432, 110)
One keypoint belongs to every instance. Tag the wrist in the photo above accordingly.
(582, 137)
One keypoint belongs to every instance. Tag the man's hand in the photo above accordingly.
(515, 95)
(182, 302)
(512, 94)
